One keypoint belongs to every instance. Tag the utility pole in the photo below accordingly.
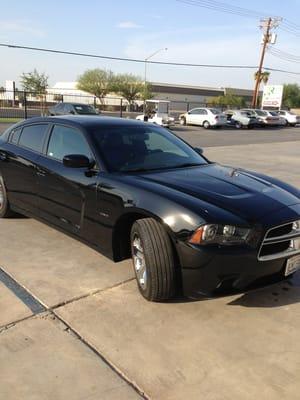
(267, 24)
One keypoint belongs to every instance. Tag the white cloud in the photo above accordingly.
(21, 27)
(128, 25)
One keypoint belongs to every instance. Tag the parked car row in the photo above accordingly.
(245, 118)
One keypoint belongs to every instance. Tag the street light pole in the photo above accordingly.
(145, 73)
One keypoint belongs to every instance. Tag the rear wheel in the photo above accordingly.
(238, 125)
(5, 210)
(206, 125)
(153, 260)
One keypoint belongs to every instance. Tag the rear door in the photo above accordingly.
(21, 153)
(64, 192)
(195, 117)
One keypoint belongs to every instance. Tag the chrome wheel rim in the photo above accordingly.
(139, 262)
(1, 196)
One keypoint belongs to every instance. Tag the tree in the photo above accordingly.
(291, 95)
(98, 82)
(263, 77)
(130, 87)
(229, 100)
(147, 93)
(34, 82)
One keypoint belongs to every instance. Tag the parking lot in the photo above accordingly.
(73, 325)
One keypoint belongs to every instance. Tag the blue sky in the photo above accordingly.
(136, 29)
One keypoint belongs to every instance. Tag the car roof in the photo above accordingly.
(85, 121)
(73, 104)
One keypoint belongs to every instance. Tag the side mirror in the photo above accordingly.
(77, 161)
(199, 150)
(72, 112)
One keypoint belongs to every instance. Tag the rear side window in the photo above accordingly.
(15, 136)
(33, 137)
(65, 140)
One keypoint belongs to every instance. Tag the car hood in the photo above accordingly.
(237, 191)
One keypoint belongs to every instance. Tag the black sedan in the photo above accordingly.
(72, 108)
(131, 189)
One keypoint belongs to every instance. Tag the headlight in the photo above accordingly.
(219, 234)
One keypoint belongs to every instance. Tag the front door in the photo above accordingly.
(64, 193)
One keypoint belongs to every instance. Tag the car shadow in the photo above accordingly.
(277, 295)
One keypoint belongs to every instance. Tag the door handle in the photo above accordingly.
(105, 186)
(3, 156)
(40, 171)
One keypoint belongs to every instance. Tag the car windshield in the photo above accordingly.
(84, 109)
(274, 113)
(214, 111)
(134, 148)
(261, 113)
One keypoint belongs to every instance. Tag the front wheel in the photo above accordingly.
(153, 260)
(182, 121)
(238, 125)
(5, 210)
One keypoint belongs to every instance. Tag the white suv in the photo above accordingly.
(289, 117)
(206, 117)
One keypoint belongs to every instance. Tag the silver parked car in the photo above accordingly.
(241, 119)
(263, 117)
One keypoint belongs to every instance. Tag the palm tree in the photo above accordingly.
(263, 77)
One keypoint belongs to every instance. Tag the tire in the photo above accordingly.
(5, 211)
(153, 260)
(238, 125)
(293, 125)
(182, 121)
(206, 125)
(250, 126)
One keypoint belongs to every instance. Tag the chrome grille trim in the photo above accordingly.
(267, 241)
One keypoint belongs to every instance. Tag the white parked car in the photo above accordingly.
(206, 117)
(290, 118)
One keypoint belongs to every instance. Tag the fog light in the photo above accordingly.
(296, 226)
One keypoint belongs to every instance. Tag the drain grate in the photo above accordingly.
(33, 304)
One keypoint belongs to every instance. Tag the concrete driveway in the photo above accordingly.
(72, 324)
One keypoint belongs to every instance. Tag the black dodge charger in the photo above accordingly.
(131, 189)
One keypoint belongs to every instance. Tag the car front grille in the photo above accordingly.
(280, 242)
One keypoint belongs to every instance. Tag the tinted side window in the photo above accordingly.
(15, 136)
(33, 137)
(65, 141)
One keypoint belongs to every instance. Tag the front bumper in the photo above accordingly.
(214, 270)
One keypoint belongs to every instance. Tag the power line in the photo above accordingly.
(286, 25)
(136, 60)
(283, 55)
